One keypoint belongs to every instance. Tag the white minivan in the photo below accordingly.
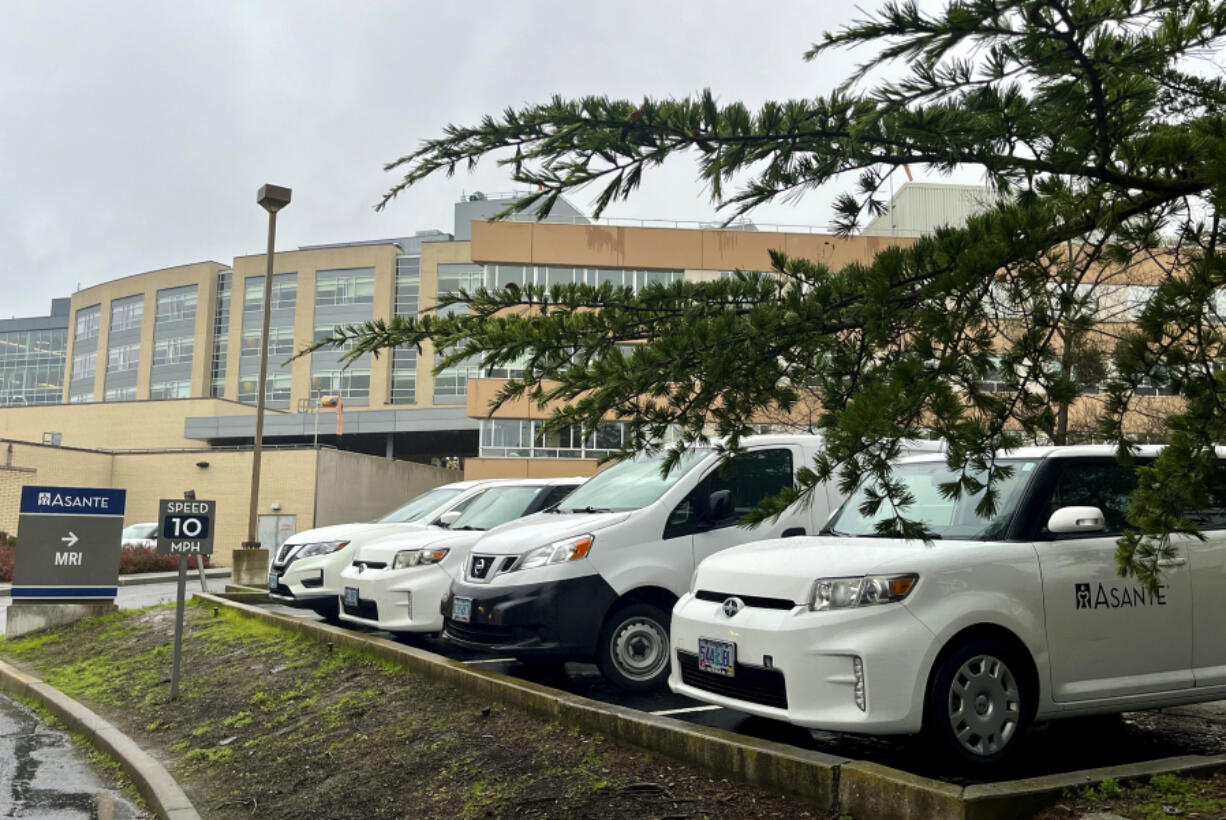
(397, 581)
(306, 569)
(596, 578)
(970, 637)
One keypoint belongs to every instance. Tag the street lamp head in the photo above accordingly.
(273, 197)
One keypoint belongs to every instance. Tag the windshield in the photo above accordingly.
(138, 531)
(943, 517)
(495, 506)
(421, 506)
(630, 485)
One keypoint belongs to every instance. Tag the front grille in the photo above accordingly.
(366, 609)
(480, 565)
(477, 633)
(753, 684)
(749, 600)
(371, 564)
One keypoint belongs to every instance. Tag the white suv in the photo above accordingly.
(993, 624)
(306, 569)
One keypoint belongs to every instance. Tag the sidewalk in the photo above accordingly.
(151, 578)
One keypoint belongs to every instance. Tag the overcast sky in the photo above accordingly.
(138, 132)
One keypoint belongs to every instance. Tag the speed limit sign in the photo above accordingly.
(185, 527)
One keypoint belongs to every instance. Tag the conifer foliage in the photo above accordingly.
(1101, 124)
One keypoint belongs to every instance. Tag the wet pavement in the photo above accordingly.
(44, 775)
(1051, 748)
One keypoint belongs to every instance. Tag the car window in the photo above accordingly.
(421, 505)
(495, 506)
(748, 477)
(556, 494)
(1102, 484)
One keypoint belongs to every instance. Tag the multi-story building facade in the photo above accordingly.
(32, 357)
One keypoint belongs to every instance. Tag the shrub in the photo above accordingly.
(7, 551)
(135, 560)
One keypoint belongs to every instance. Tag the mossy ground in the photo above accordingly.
(1162, 796)
(273, 724)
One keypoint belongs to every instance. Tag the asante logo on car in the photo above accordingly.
(1104, 596)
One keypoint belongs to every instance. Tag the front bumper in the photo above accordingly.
(309, 582)
(559, 619)
(798, 666)
(398, 600)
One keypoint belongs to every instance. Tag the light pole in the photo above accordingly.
(273, 198)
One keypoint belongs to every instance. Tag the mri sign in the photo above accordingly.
(185, 527)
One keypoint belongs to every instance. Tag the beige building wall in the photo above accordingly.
(22, 463)
(355, 487)
(115, 425)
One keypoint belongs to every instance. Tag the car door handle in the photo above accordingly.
(1172, 562)
(791, 532)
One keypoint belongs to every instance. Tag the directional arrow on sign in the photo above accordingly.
(71, 539)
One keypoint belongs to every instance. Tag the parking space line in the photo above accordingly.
(490, 660)
(665, 712)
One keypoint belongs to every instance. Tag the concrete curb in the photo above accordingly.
(144, 578)
(154, 783)
(857, 788)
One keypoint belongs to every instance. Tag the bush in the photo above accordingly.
(132, 561)
(135, 560)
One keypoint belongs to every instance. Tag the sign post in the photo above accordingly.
(185, 527)
(67, 561)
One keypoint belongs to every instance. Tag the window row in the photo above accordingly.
(176, 304)
(176, 389)
(33, 346)
(31, 384)
(499, 276)
(84, 365)
(88, 320)
(123, 357)
(280, 342)
(345, 287)
(284, 292)
(276, 388)
(348, 384)
(408, 285)
(524, 438)
(126, 313)
(174, 351)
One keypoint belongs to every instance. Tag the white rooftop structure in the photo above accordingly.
(919, 208)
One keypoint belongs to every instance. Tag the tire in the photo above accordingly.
(634, 649)
(979, 704)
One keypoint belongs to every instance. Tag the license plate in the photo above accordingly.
(461, 609)
(717, 656)
(351, 596)
(273, 580)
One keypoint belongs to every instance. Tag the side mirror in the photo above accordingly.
(1077, 519)
(719, 505)
(450, 517)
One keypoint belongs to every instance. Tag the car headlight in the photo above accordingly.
(848, 593)
(321, 548)
(568, 549)
(413, 558)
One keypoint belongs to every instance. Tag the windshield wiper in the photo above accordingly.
(833, 531)
(468, 527)
(590, 510)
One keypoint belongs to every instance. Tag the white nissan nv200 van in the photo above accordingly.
(597, 577)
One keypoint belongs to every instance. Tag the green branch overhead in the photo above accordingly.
(1097, 122)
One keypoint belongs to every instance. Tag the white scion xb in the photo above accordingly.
(397, 582)
(970, 637)
(305, 572)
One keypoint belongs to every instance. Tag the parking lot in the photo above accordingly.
(1060, 746)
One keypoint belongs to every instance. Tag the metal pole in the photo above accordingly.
(252, 542)
(182, 593)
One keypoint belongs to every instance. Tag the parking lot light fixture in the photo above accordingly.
(272, 198)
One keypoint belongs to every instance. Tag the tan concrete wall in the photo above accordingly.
(675, 248)
(39, 464)
(528, 467)
(357, 487)
(115, 425)
(12, 479)
(287, 477)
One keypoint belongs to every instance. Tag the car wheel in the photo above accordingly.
(634, 649)
(979, 705)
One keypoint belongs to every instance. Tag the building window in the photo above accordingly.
(176, 304)
(499, 276)
(404, 376)
(280, 342)
(348, 384)
(121, 358)
(355, 286)
(276, 388)
(85, 365)
(126, 313)
(284, 292)
(81, 395)
(326, 332)
(522, 438)
(408, 285)
(177, 350)
(121, 393)
(179, 389)
(451, 383)
(221, 336)
(88, 320)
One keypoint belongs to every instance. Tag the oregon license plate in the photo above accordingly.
(461, 609)
(273, 580)
(351, 596)
(717, 656)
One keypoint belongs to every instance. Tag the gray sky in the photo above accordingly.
(139, 132)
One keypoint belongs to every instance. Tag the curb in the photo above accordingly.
(144, 578)
(160, 790)
(857, 788)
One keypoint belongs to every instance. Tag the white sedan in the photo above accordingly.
(992, 624)
(397, 582)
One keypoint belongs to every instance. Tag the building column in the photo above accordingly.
(391, 445)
